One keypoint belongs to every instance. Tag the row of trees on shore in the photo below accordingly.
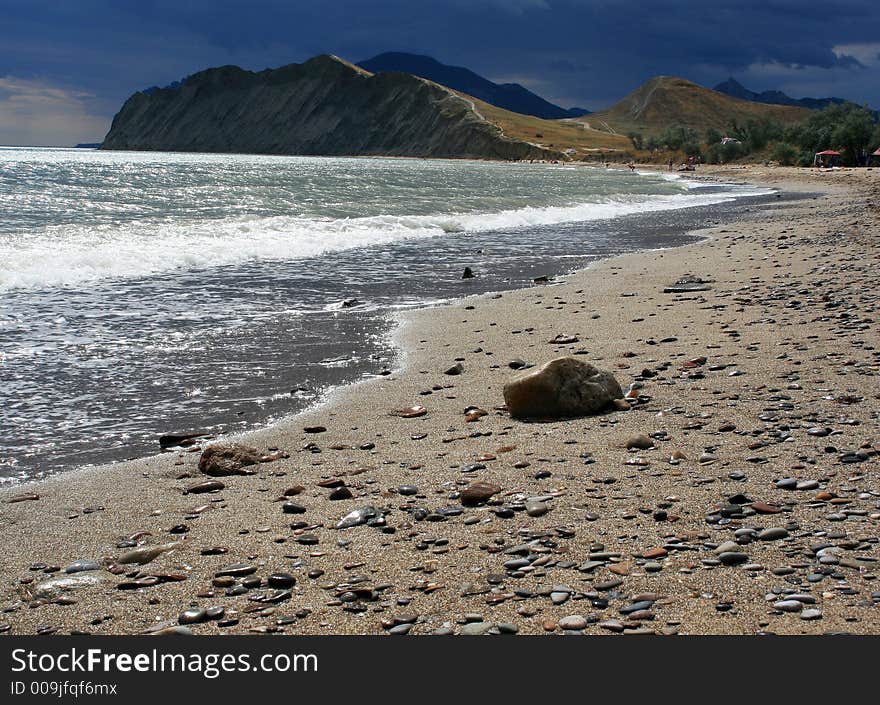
(848, 128)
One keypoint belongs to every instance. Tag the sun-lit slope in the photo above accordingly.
(552, 134)
(667, 101)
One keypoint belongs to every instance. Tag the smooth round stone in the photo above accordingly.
(82, 566)
(783, 570)
(805, 599)
(787, 483)
(653, 567)
(559, 598)
(574, 621)
(476, 628)
(639, 441)
(811, 614)
(773, 533)
(639, 631)
(408, 490)
(236, 570)
(175, 630)
(536, 509)
(192, 616)
(640, 606)
(727, 547)
(401, 628)
(807, 485)
(293, 508)
(215, 612)
(788, 605)
(733, 558)
(590, 566)
(508, 628)
(281, 580)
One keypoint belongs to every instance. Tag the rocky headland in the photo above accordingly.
(324, 106)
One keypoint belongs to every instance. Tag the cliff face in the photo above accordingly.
(324, 106)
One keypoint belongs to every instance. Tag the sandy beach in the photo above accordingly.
(759, 399)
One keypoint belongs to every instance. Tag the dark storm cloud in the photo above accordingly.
(584, 52)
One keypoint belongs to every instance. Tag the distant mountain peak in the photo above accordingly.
(734, 88)
(510, 96)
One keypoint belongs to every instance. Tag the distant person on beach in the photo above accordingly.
(632, 167)
(671, 163)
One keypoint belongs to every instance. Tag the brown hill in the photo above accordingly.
(667, 101)
(325, 106)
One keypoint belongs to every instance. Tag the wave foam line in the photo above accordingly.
(73, 256)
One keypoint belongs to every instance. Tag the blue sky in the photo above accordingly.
(66, 66)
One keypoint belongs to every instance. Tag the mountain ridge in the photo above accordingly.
(510, 96)
(735, 89)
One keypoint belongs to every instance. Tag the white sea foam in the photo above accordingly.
(74, 255)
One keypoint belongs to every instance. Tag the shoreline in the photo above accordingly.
(357, 416)
(527, 253)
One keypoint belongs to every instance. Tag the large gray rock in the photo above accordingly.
(565, 386)
(223, 459)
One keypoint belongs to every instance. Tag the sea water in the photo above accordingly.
(143, 293)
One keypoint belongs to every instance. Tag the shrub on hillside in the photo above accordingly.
(713, 136)
(756, 134)
(785, 154)
(724, 153)
(678, 137)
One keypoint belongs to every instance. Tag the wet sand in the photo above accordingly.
(787, 396)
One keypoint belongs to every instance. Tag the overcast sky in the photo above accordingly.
(66, 66)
